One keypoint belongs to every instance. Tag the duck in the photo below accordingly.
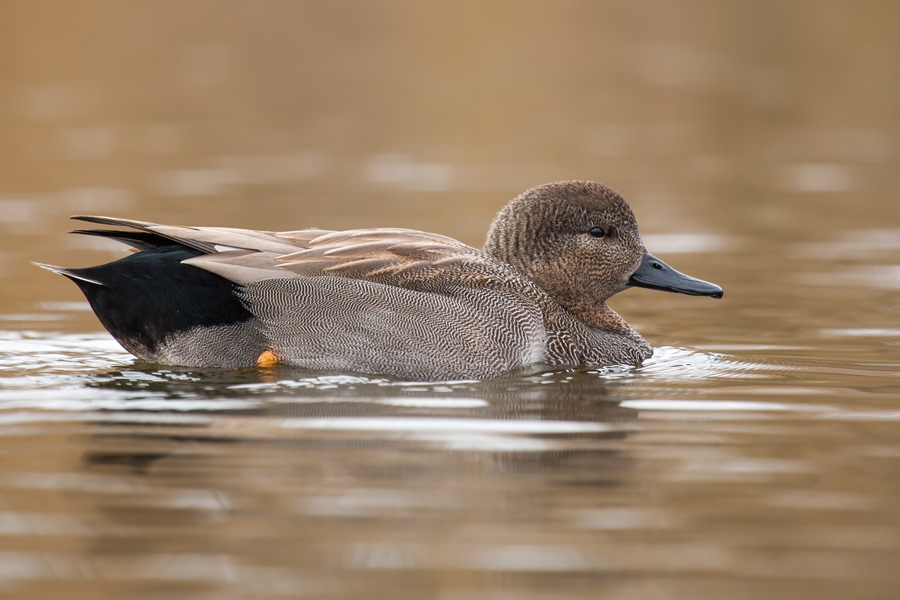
(388, 301)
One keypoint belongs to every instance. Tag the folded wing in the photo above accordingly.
(390, 256)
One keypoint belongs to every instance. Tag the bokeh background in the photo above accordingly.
(742, 120)
(755, 456)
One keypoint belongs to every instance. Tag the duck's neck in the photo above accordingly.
(603, 337)
(602, 317)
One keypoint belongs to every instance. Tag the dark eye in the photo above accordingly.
(598, 232)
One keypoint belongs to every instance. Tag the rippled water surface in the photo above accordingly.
(756, 455)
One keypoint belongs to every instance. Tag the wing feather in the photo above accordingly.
(391, 256)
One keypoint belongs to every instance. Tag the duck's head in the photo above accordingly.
(579, 241)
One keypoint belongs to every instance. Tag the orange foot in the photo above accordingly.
(267, 359)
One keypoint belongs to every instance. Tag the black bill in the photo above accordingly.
(657, 275)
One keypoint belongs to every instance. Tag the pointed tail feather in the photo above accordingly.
(72, 274)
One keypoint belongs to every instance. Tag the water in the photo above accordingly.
(755, 455)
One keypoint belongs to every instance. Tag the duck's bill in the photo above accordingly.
(657, 275)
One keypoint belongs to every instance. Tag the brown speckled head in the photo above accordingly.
(578, 240)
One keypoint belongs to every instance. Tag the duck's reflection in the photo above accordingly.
(535, 419)
(328, 473)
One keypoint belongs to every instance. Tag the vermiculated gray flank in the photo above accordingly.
(388, 301)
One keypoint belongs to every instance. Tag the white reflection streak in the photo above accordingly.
(477, 442)
(710, 405)
(13, 523)
(523, 557)
(372, 502)
(860, 332)
(383, 556)
(122, 417)
(684, 243)
(36, 399)
(419, 425)
(819, 177)
(511, 557)
(624, 518)
(433, 402)
(854, 244)
(731, 409)
(882, 277)
(164, 567)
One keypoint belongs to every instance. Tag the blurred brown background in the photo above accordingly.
(759, 123)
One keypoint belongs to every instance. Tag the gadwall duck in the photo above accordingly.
(387, 301)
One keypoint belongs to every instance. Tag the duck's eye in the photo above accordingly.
(598, 232)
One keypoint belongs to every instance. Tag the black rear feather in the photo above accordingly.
(145, 297)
